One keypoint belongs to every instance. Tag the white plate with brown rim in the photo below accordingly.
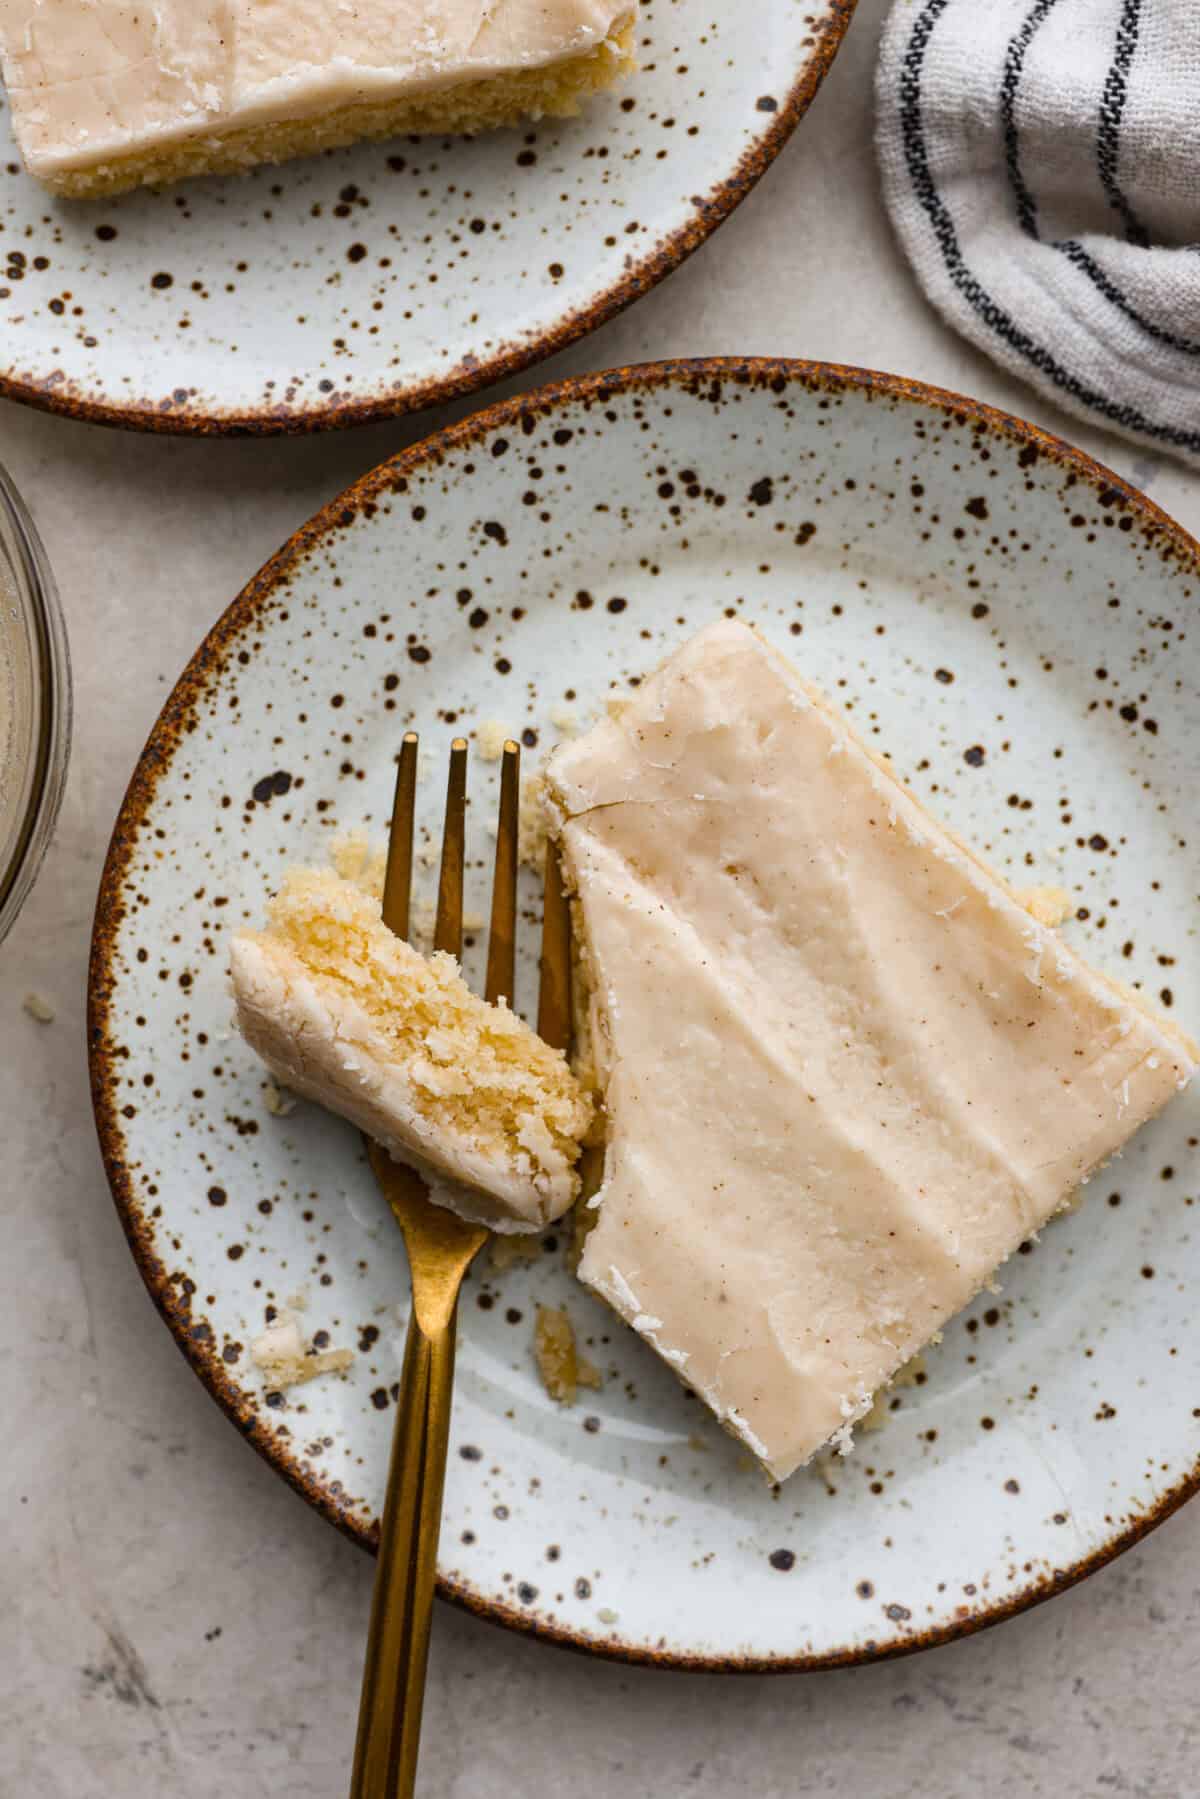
(386, 277)
(1015, 625)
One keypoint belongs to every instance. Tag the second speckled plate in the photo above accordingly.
(387, 277)
(1015, 625)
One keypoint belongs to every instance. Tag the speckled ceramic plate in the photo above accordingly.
(387, 277)
(1017, 627)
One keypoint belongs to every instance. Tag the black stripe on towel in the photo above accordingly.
(1014, 68)
(1108, 128)
(1087, 265)
(968, 284)
(1026, 205)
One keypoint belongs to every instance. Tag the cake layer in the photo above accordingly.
(346, 1014)
(846, 1073)
(104, 95)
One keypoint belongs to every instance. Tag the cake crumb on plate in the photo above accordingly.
(282, 1355)
(516, 1246)
(562, 1368)
(490, 738)
(1047, 905)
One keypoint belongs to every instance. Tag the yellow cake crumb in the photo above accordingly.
(532, 823)
(1050, 906)
(491, 735)
(505, 1252)
(562, 1368)
(286, 1361)
(39, 1008)
(357, 860)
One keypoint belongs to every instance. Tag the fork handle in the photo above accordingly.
(393, 1688)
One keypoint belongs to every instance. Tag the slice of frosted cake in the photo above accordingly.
(105, 95)
(343, 1012)
(846, 1073)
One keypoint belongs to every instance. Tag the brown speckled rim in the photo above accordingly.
(56, 393)
(169, 1293)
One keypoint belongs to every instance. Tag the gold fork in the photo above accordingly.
(441, 1247)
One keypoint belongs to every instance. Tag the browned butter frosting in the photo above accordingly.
(846, 1072)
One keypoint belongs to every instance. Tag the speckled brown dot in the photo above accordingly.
(272, 786)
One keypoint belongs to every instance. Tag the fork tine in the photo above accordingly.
(502, 932)
(554, 994)
(397, 885)
(447, 933)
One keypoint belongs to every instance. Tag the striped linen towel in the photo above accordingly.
(1041, 164)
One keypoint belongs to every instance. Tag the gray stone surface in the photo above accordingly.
(173, 1619)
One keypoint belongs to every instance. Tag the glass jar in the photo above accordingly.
(35, 703)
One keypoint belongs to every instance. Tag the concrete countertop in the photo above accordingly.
(174, 1619)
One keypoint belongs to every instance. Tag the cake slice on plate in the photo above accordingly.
(106, 95)
(343, 1012)
(846, 1073)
